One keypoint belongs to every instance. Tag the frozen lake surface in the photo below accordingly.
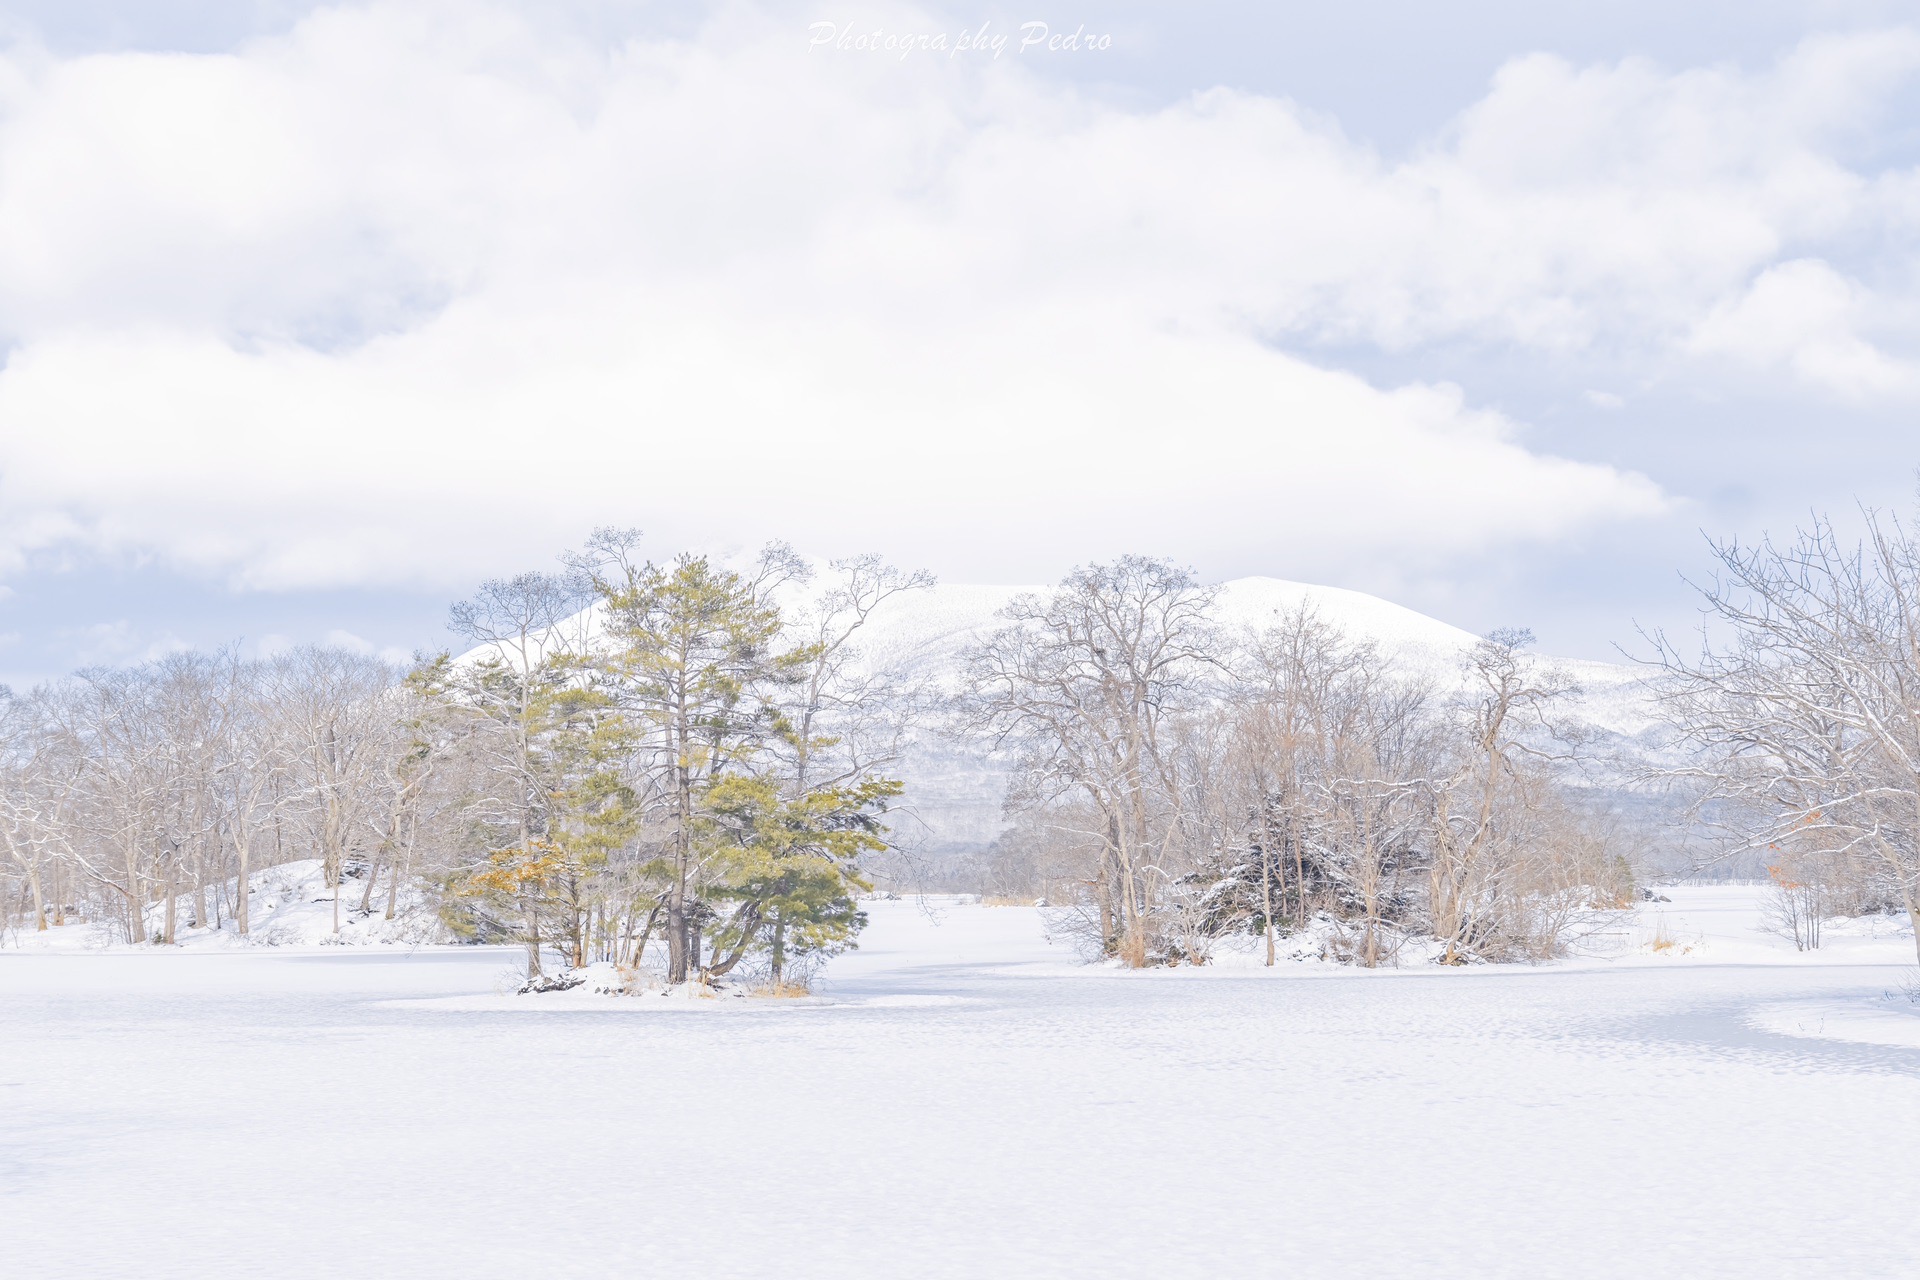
(965, 1101)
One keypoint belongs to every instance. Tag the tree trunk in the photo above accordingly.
(39, 899)
(1913, 912)
(573, 938)
(401, 860)
(532, 914)
(1906, 879)
(373, 878)
(173, 901)
(1112, 908)
(677, 949)
(1103, 893)
(393, 888)
(748, 920)
(1266, 888)
(683, 945)
(639, 953)
(1370, 943)
(778, 966)
(136, 897)
(1135, 854)
(242, 886)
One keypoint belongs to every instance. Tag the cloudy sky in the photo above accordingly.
(314, 315)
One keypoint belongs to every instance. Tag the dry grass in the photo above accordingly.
(1663, 942)
(1002, 901)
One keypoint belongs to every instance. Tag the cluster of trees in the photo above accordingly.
(1175, 781)
(697, 768)
(143, 796)
(1799, 714)
(688, 767)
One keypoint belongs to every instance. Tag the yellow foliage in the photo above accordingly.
(516, 870)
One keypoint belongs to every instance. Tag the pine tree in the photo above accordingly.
(694, 656)
(795, 867)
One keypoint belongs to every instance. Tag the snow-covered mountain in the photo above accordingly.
(930, 630)
(935, 626)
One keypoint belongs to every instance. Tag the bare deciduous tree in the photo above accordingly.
(1802, 700)
(1082, 685)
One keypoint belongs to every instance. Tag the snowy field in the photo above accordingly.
(963, 1100)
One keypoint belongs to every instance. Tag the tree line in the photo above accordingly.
(690, 767)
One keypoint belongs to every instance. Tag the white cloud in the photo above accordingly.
(1806, 315)
(341, 639)
(418, 293)
(117, 643)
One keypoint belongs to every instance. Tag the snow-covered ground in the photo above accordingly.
(1694, 1098)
